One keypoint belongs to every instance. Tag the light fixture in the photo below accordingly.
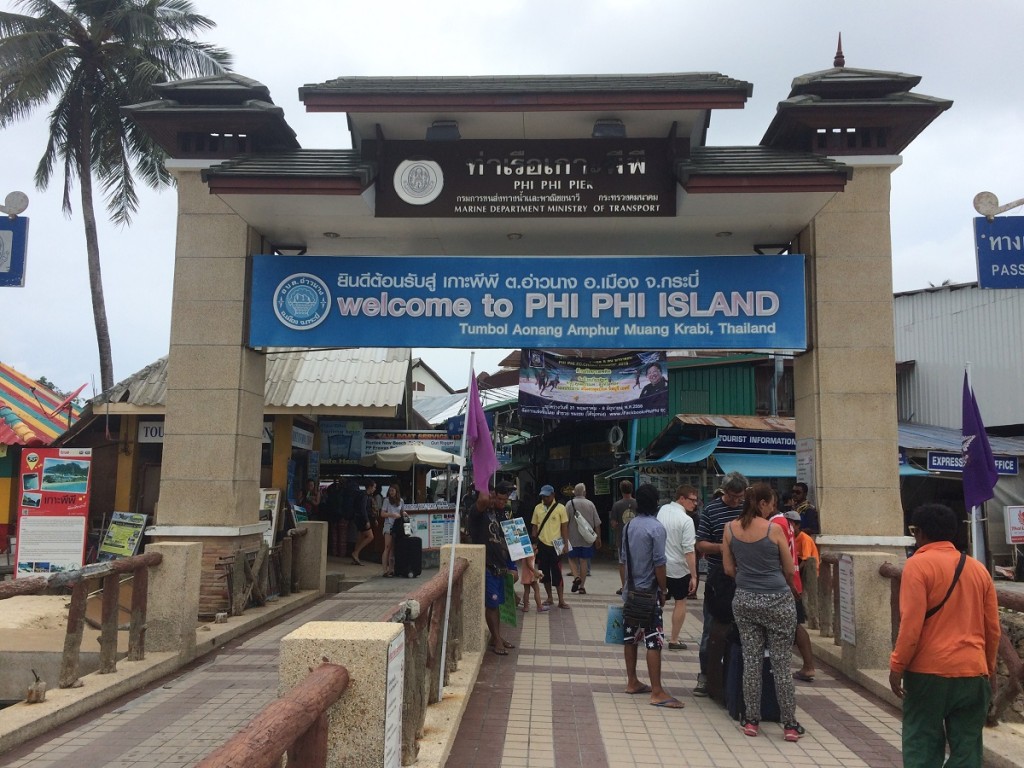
(723, 233)
(514, 236)
(609, 128)
(331, 235)
(443, 130)
(289, 250)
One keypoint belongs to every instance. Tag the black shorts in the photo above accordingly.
(679, 589)
(801, 614)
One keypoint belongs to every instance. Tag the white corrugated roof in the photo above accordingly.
(365, 376)
(437, 410)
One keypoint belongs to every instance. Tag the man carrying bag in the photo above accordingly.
(551, 530)
(642, 566)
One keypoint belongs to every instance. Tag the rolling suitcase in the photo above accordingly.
(408, 556)
(718, 645)
(734, 687)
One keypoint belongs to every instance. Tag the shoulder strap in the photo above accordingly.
(545, 520)
(956, 577)
(629, 560)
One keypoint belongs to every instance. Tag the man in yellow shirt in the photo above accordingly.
(550, 523)
(946, 648)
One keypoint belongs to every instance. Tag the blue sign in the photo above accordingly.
(945, 461)
(589, 302)
(755, 440)
(13, 246)
(1000, 248)
(454, 426)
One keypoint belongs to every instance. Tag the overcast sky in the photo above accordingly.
(970, 55)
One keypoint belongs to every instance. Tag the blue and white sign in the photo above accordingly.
(947, 461)
(13, 245)
(1000, 248)
(755, 440)
(608, 302)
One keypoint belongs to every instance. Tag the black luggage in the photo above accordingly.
(734, 687)
(718, 645)
(408, 556)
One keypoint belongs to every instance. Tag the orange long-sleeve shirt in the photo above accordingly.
(962, 638)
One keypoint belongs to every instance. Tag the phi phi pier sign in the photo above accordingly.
(598, 302)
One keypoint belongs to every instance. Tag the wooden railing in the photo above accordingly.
(79, 581)
(423, 635)
(1003, 695)
(254, 577)
(295, 724)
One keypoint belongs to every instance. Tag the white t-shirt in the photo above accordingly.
(680, 540)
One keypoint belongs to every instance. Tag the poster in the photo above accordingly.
(270, 507)
(123, 536)
(628, 385)
(393, 702)
(517, 538)
(53, 510)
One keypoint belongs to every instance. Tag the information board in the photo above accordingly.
(847, 607)
(123, 536)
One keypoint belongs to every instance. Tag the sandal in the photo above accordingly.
(582, 591)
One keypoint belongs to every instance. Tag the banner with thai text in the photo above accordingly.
(626, 386)
(584, 302)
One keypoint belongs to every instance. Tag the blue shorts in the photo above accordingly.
(494, 590)
(582, 553)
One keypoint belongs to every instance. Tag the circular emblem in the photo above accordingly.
(301, 301)
(418, 182)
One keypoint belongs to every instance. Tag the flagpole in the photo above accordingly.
(443, 663)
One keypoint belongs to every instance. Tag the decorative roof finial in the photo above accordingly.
(840, 60)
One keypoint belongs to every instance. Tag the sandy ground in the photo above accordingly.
(34, 612)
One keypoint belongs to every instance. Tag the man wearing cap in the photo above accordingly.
(485, 518)
(550, 522)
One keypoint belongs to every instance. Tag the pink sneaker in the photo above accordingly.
(750, 728)
(792, 731)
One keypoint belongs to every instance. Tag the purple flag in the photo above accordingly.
(485, 463)
(979, 473)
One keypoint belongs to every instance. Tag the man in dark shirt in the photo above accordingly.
(485, 518)
(810, 522)
(710, 529)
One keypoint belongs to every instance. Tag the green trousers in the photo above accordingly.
(940, 710)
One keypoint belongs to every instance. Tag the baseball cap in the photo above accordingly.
(547, 490)
(792, 514)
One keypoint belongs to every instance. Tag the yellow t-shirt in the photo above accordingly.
(553, 527)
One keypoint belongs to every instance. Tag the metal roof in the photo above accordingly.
(437, 410)
(298, 163)
(758, 161)
(925, 437)
(30, 413)
(308, 378)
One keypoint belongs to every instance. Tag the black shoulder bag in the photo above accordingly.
(640, 605)
(956, 577)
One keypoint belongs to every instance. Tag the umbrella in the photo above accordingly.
(403, 457)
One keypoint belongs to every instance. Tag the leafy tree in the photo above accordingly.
(89, 58)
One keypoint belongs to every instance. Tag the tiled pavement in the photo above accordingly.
(555, 701)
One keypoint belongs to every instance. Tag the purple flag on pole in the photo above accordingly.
(478, 437)
(979, 474)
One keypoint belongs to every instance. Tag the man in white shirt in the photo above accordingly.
(681, 562)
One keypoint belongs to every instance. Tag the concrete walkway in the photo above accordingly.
(555, 701)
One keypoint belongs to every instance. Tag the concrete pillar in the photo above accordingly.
(474, 628)
(173, 600)
(311, 563)
(365, 723)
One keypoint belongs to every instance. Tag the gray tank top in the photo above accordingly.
(758, 568)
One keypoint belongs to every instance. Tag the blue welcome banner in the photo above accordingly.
(588, 302)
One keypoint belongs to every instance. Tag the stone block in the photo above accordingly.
(474, 628)
(173, 600)
(311, 564)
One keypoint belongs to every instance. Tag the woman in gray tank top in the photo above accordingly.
(757, 555)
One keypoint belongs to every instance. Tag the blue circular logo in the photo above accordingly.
(301, 301)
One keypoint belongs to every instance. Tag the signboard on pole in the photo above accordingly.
(123, 536)
(999, 245)
(1014, 524)
(13, 246)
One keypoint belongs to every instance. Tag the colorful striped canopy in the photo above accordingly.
(31, 414)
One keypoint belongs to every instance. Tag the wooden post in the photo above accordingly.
(108, 624)
(73, 638)
(137, 628)
(286, 566)
(311, 748)
(238, 592)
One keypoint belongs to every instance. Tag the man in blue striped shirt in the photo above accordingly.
(717, 514)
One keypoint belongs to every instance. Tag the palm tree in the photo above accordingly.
(88, 58)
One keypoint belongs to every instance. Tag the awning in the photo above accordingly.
(688, 453)
(907, 470)
(757, 464)
(514, 466)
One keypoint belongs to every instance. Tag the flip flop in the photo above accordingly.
(803, 677)
(507, 644)
(643, 689)
(499, 651)
(670, 703)
(564, 605)
(544, 609)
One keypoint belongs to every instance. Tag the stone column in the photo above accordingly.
(312, 560)
(474, 628)
(173, 600)
(846, 394)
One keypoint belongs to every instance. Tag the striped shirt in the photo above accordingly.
(712, 526)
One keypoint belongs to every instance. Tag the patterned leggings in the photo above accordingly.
(766, 619)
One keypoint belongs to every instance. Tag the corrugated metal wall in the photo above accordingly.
(943, 329)
(720, 389)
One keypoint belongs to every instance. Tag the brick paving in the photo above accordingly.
(555, 701)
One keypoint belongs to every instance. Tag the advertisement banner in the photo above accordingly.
(53, 502)
(626, 386)
(377, 440)
(602, 178)
(582, 302)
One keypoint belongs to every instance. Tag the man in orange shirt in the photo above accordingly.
(946, 649)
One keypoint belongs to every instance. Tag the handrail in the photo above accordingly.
(79, 581)
(295, 724)
(1003, 696)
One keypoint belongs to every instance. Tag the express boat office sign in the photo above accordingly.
(527, 179)
(945, 461)
(610, 302)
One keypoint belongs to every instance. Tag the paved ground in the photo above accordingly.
(555, 701)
